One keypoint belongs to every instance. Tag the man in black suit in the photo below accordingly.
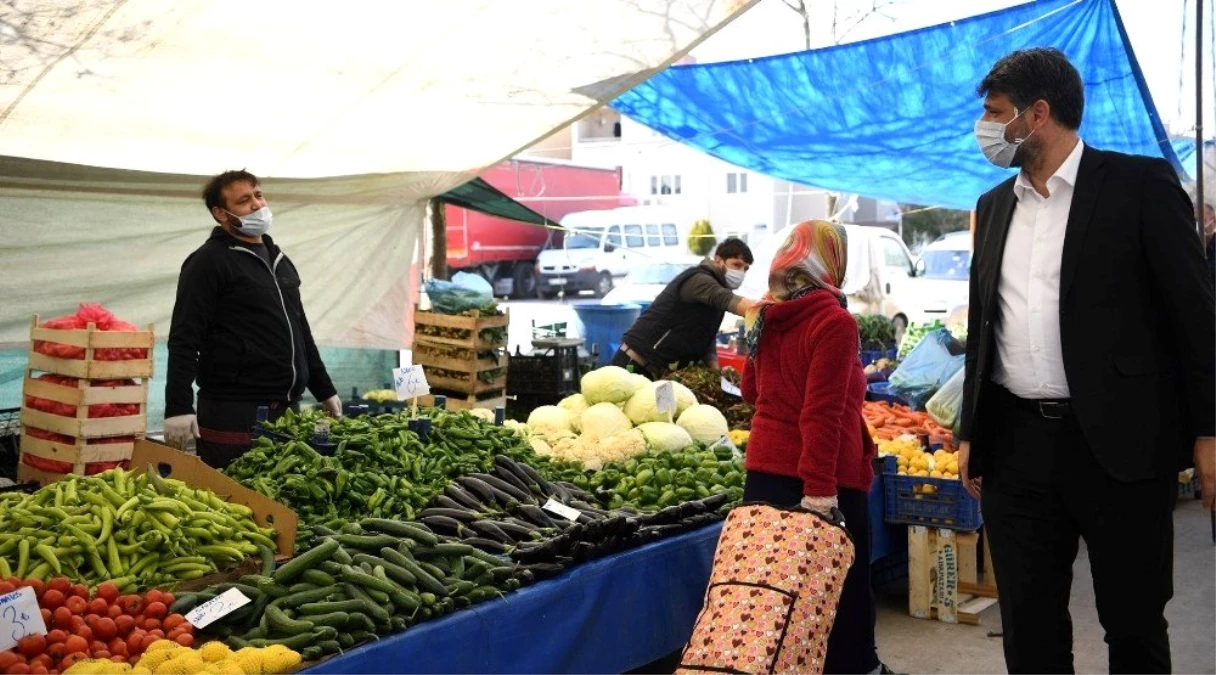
(1089, 379)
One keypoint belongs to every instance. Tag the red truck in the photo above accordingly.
(504, 251)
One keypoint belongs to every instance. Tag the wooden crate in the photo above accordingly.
(457, 401)
(82, 396)
(468, 322)
(90, 339)
(423, 355)
(943, 579)
(468, 384)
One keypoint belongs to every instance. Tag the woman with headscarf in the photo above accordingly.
(809, 443)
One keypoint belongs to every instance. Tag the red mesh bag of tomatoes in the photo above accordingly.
(56, 466)
(95, 411)
(102, 319)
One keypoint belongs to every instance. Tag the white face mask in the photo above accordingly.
(734, 277)
(992, 142)
(255, 224)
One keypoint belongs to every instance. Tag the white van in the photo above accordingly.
(943, 274)
(878, 277)
(601, 246)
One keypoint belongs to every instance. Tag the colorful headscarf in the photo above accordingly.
(813, 257)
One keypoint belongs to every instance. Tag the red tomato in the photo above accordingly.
(42, 660)
(101, 654)
(32, 645)
(17, 669)
(168, 598)
(150, 624)
(71, 659)
(76, 604)
(7, 587)
(84, 632)
(39, 670)
(148, 640)
(8, 658)
(37, 585)
(173, 621)
(106, 628)
(56, 651)
(53, 598)
(125, 624)
(114, 611)
(108, 591)
(76, 645)
(98, 646)
(135, 642)
(131, 604)
(63, 618)
(47, 615)
(185, 640)
(156, 609)
(61, 584)
(99, 606)
(80, 591)
(157, 633)
(118, 647)
(77, 623)
(152, 596)
(56, 636)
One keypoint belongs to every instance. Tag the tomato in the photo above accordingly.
(168, 598)
(71, 660)
(173, 621)
(17, 669)
(8, 658)
(53, 598)
(80, 591)
(148, 640)
(32, 645)
(118, 659)
(106, 628)
(108, 591)
(150, 624)
(153, 596)
(156, 609)
(43, 660)
(118, 647)
(61, 584)
(135, 642)
(62, 618)
(76, 604)
(185, 640)
(125, 624)
(47, 615)
(85, 632)
(157, 633)
(75, 644)
(101, 654)
(7, 587)
(114, 611)
(99, 606)
(77, 623)
(56, 651)
(98, 646)
(37, 585)
(131, 604)
(39, 670)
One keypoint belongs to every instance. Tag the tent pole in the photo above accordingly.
(1199, 197)
(439, 237)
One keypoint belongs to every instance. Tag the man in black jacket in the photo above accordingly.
(1089, 379)
(681, 326)
(239, 330)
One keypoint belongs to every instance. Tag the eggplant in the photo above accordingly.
(516, 532)
(457, 494)
(503, 486)
(489, 530)
(509, 476)
(462, 515)
(536, 515)
(487, 545)
(443, 524)
(446, 502)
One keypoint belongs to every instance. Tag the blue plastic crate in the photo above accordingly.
(946, 505)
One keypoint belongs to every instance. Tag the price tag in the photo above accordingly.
(730, 388)
(19, 617)
(665, 398)
(217, 608)
(559, 509)
(410, 382)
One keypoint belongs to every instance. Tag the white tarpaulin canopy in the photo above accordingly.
(113, 112)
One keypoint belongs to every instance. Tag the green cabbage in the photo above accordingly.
(609, 384)
(550, 420)
(603, 420)
(704, 423)
(642, 407)
(664, 437)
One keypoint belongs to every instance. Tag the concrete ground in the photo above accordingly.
(916, 646)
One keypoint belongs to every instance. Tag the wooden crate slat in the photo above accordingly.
(100, 427)
(463, 321)
(81, 452)
(84, 395)
(91, 337)
(469, 385)
(122, 339)
(465, 402)
(943, 579)
(91, 370)
(448, 363)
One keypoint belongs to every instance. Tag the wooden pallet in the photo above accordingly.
(423, 355)
(469, 322)
(91, 339)
(943, 579)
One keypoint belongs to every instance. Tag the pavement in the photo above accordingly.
(911, 645)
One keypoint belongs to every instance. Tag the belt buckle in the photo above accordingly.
(1045, 406)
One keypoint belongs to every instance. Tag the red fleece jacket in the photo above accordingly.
(808, 387)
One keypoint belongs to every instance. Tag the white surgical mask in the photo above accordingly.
(255, 224)
(734, 277)
(992, 142)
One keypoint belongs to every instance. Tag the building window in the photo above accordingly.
(654, 185)
(736, 183)
(665, 185)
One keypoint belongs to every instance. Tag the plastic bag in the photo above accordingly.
(927, 369)
(96, 411)
(102, 319)
(944, 407)
(464, 292)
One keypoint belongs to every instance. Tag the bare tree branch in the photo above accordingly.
(800, 8)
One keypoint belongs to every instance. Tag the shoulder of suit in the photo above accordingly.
(1123, 159)
(1004, 186)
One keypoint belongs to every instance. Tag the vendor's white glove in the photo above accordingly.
(333, 406)
(180, 429)
(820, 505)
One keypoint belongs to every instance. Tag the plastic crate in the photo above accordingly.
(555, 373)
(326, 449)
(932, 502)
(10, 441)
(881, 391)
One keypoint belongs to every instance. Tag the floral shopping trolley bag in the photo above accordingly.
(776, 582)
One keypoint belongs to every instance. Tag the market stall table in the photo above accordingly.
(605, 616)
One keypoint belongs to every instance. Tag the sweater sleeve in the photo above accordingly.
(704, 289)
(833, 351)
(749, 382)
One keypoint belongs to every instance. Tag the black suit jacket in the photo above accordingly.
(1136, 316)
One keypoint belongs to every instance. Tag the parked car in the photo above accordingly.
(942, 276)
(877, 279)
(645, 282)
(601, 247)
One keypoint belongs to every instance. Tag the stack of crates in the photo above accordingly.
(551, 373)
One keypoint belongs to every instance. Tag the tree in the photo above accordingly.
(701, 238)
(922, 225)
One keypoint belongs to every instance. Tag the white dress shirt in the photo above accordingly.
(1030, 361)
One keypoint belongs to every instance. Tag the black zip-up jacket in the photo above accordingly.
(239, 329)
(681, 326)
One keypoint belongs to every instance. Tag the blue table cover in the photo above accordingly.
(606, 616)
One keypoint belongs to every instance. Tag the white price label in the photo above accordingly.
(19, 617)
(730, 388)
(217, 608)
(665, 398)
(410, 382)
(559, 509)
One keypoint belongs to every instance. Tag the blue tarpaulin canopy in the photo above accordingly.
(893, 117)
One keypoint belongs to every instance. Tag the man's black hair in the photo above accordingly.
(213, 192)
(734, 248)
(1030, 75)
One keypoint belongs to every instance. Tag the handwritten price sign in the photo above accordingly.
(410, 382)
(19, 617)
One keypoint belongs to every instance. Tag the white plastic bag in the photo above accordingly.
(944, 407)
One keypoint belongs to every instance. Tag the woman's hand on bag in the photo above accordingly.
(820, 505)
(971, 485)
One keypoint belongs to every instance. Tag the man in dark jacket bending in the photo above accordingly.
(239, 330)
(681, 326)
